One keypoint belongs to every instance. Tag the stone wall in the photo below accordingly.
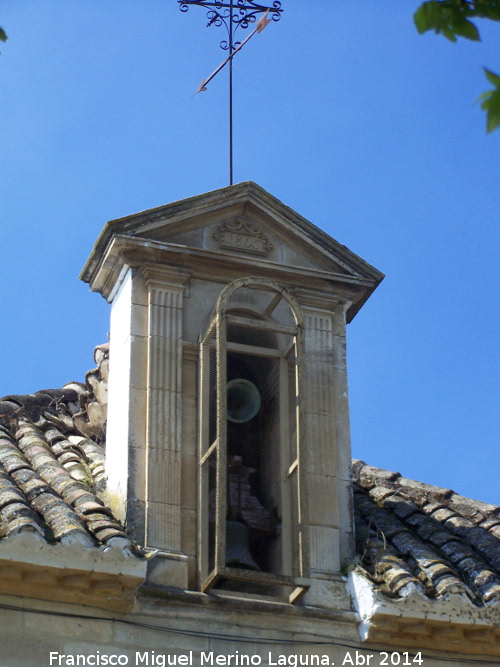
(163, 629)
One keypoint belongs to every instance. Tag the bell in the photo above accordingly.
(243, 400)
(237, 549)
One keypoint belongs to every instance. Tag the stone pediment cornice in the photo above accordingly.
(260, 216)
(126, 252)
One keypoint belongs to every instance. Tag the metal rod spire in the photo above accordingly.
(231, 54)
(233, 14)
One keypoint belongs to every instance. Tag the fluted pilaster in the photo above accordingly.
(328, 440)
(164, 394)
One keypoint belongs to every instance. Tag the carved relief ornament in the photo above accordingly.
(242, 236)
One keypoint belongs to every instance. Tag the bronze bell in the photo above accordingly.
(237, 548)
(243, 400)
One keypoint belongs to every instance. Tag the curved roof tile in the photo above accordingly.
(445, 541)
(50, 471)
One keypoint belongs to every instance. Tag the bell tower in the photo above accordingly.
(228, 443)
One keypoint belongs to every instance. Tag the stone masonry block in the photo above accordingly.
(26, 648)
(323, 453)
(138, 361)
(323, 500)
(163, 526)
(344, 462)
(339, 324)
(138, 320)
(164, 419)
(325, 549)
(164, 476)
(167, 571)
(137, 419)
(140, 295)
(188, 542)
(164, 363)
(89, 630)
(189, 482)
(136, 473)
(189, 378)
(189, 426)
(332, 594)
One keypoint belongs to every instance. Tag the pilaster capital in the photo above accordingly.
(165, 277)
(325, 302)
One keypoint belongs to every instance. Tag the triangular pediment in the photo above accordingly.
(249, 234)
(243, 220)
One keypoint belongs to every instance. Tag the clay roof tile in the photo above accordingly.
(447, 542)
(49, 473)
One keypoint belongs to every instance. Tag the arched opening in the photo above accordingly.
(252, 500)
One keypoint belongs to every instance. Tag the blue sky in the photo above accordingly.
(344, 113)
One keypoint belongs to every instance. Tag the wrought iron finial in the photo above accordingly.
(233, 15)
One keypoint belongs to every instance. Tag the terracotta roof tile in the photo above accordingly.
(490, 523)
(441, 537)
(445, 541)
(50, 471)
(419, 491)
(18, 516)
(9, 493)
(456, 551)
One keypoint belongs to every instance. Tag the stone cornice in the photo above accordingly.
(107, 579)
(249, 201)
(452, 622)
(239, 197)
(129, 251)
(220, 600)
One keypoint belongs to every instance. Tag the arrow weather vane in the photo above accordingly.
(233, 14)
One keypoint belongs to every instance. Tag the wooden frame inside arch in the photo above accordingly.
(212, 477)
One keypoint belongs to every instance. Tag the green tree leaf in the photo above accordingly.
(424, 17)
(451, 18)
(464, 28)
(447, 17)
(448, 33)
(492, 78)
(429, 16)
(3, 35)
(491, 102)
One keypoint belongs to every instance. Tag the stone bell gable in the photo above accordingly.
(231, 285)
(196, 495)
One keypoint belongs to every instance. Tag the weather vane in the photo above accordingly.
(233, 14)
